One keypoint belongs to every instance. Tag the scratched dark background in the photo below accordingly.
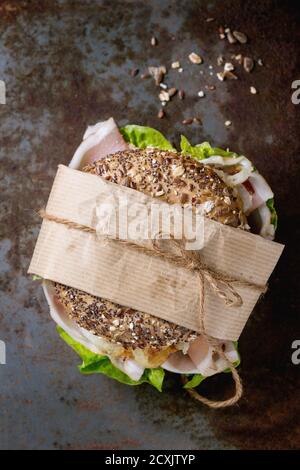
(67, 64)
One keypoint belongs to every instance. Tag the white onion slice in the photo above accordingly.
(237, 178)
(129, 366)
(222, 161)
(260, 186)
(267, 230)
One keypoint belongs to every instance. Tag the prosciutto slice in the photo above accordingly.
(98, 141)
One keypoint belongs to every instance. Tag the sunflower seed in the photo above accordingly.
(253, 90)
(195, 58)
(157, 73)
(153, 41)
(197, 120)
(134, 72)
(230, 37)
(172, 92)
(164, 96)
(228, 67)
(241, 37)
(228, 123)
(239, 58)
(179, 170)
(220, 60)
(248, 64)
(175, 65)
(201, 94)
(230, 75)
(186, 122)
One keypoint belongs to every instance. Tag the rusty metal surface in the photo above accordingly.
(66, 64)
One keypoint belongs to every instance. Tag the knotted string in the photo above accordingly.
(220, 283)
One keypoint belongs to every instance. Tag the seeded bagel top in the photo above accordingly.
(172, 178)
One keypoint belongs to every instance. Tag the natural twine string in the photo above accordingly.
(219, 282)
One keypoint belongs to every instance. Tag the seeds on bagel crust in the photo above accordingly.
(171, 175)
(122, 325)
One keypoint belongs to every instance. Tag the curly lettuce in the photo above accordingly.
(142, 137)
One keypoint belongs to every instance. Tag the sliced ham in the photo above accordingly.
(200, 359)
(98, 141)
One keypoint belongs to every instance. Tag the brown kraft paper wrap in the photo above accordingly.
(134, 279)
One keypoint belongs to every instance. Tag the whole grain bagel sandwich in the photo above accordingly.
(133, 346)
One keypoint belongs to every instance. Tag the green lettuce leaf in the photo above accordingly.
(204, 150)
(142, 137)
(95, 363)
(198, 378)
(274, 216)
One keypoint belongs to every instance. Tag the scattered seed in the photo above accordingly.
(163, 103)
(210, 87)
(210, 67)
(253, 90)
(209, 20)
(260, 62)
(175, 65)
(195, 58)
(163, 86)
(220, 60)
(145, 75)
(231, 39)
(134, 72)
(239, 58)
(230, 75)
(181, 94)
(241, 37)
(228, 123)
(180, 70)
(172, 92)
(248, 64)
(157, 73)
(161, 114)
(201, 94)
(221, 76)
(221, 30)
(164, 96)
(228, 67)
(179, 170)
(153, 41)
(197, 120)
(187, 121)
(222, 36)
